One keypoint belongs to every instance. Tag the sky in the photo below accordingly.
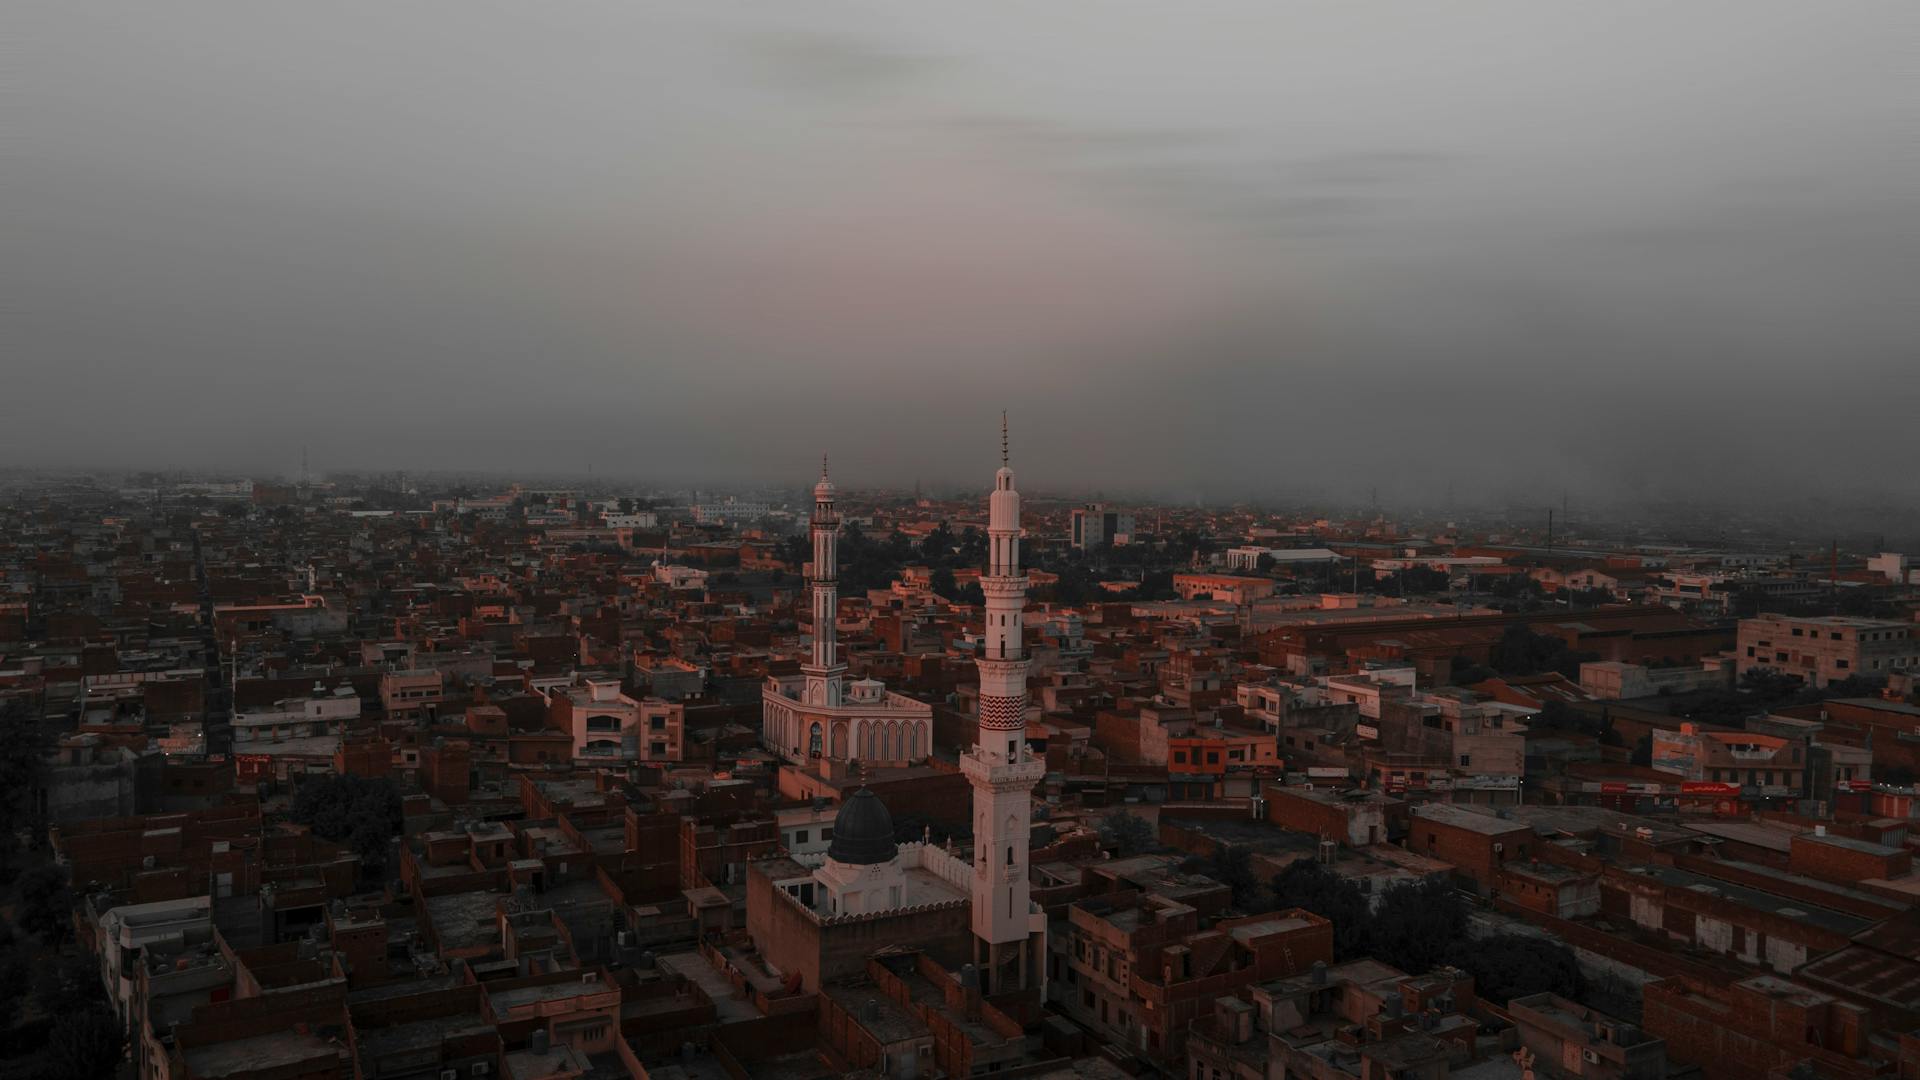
(1236, 249)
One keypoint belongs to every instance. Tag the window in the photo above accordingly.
(1179, 757)
(1466, 759)
(658, 723)
(800, 836)
(1840, 663)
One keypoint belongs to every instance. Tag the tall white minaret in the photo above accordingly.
(825, 671)
(999, 766)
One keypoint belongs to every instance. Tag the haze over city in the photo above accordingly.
(1628, 250)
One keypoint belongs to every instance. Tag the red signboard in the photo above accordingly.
(1707, 787)
(1613, 789)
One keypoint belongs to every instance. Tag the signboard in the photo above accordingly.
(1857, 785)
(1706, 787)
(1366, 731)
(1326, 772)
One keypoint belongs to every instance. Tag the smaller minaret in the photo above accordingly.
(825, 671)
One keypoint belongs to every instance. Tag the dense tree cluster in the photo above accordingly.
(1520, 651)
(1125, 833)
(362, 813)
(1418, 926)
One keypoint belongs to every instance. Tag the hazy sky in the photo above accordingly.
(1611, 247)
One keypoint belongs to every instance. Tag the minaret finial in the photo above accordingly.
(1003, 437)
(823, 464)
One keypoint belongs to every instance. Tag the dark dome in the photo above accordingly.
(863, 831)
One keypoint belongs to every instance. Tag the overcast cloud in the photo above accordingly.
(1223, 247)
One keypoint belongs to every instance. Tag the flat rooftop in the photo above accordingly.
(1462, 818)
(260, 1053)
(1785, 907)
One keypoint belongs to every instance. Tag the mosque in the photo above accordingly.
(819, 716)
(821, 917)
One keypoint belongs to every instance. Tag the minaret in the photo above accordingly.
(999, 766)
(825, 671)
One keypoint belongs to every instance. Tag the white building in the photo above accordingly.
(124, 930)
(1248, 558)
(1893, 566)
(1094, 526)
(638, 520)
(818, 714)
(323, 712)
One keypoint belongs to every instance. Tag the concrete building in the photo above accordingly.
(1827, 648)
(1249, 557)
(817, 715)
(1095, 526)
(1894, 566)
(1612, 680)
(1769, 764)
(1567, 1038)
(608, 726)
(321, 712)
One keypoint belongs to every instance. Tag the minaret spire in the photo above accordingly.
(1003, 438)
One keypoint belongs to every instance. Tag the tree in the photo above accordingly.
(1155, 585)
(943, 586)
(1231, 866)
(936, 548)
(23, 770)
(1309, 885)
(1417, 926)
(1506, 966)
(45, 906)
(1125, 833)
(85, 1044)
(362, 813)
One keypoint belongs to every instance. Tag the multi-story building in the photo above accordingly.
(1827, 648)
(1094, 526)
(609, 726)
(1565, 1036)
(1768, 763)
(320, 713)
(1139, 967)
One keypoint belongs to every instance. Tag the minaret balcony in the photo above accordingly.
(1004, 587)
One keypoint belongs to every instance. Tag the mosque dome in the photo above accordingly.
(863, 832)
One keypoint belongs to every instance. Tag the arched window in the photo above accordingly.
(813, 741)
